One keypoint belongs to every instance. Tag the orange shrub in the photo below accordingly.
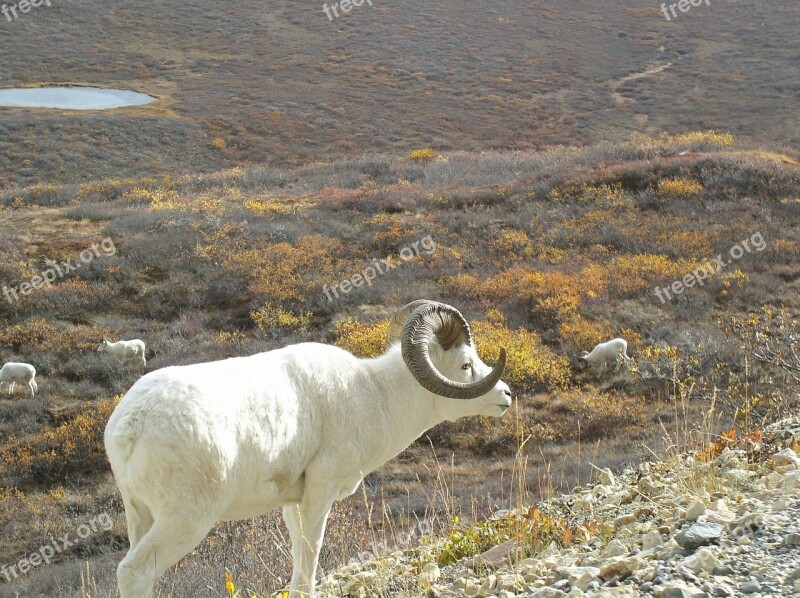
(461, 285)
(54, 455)
(529, 364)
(37, 334)
(284, 273)
(517, 282)
(580, 334)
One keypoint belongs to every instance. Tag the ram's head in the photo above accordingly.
(438, 348)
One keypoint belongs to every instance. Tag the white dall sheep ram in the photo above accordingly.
(613, 351)
(297, 427)
(18, 373)
(124, 350)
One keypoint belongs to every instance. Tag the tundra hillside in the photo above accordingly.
(684, 245)
(242, 84)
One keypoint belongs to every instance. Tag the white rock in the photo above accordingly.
(606, 477)
(429, 576)
(488, 585)
(615, 548)
(786, 457)
(364, 580)
(791, 480)
(739, 476)
(702, 561)
(695, 510)
(651, 540)
(773, 480)
(620, 567)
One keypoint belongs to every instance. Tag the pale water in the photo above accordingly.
(72, 98)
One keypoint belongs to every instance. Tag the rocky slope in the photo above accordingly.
(725, 523)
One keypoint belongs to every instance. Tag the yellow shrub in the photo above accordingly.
(362, 340)
(633, 338)
(675, 188)
(529, 364)
(137, 196)
(268, 207)
(606, 195)
(393, 231)
(729, 279)
(519, 282)
(684, 242)
(513, 244)
(159, 199)
(163, 199)
(548, 253)
(272, 317)
(232, 338)
(43, 192)
(696, 137)
(423, 155)
(636, 273)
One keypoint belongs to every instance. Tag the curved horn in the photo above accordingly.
(450, 328)
(398, 320)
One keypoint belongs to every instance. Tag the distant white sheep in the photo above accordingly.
(124, 350)
(613, 351)
(18, 373)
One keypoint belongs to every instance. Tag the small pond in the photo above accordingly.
(72, 98)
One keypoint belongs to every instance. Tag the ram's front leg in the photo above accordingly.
(306, 522)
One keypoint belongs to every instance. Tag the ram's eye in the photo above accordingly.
(466, 366)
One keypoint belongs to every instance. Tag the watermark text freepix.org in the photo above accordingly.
(23, 6)
(332, 10)
(60, 270)
(683, 6)
(47, 552)
(699, 275)
(382, 266)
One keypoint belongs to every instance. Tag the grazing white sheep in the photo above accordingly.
(124, 350)
(297, 427)
(14, 373)
(613, 351)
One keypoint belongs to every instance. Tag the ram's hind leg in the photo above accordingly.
(139, 519)
(168, 540)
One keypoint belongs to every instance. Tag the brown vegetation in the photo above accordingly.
(546, 253)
